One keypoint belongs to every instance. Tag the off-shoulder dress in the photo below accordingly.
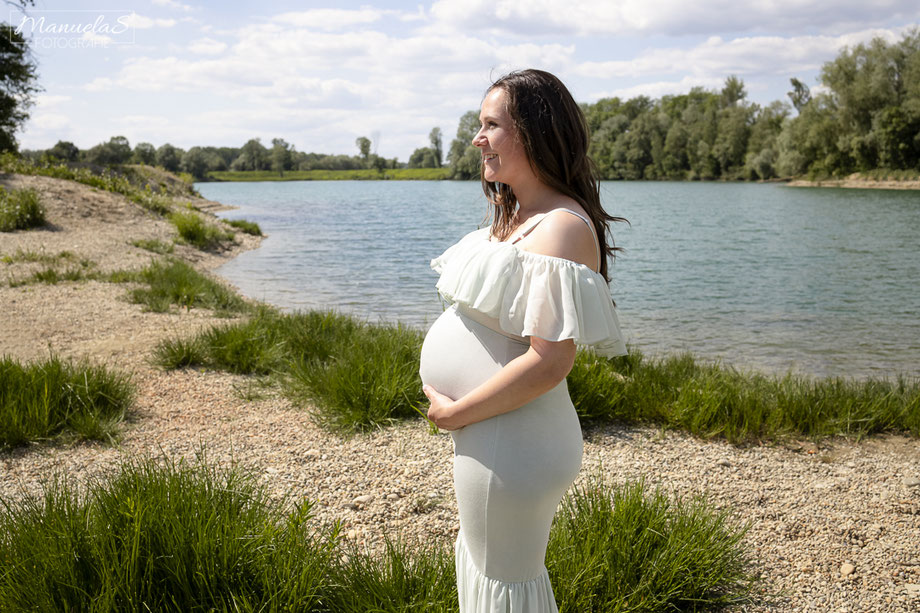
(511, 471)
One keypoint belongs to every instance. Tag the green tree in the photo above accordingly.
(281, 156)
(144, 153)
(800, 94)
(65, 151)
(463, 157)
(169, 157)
(423, 157)
(436, 145)
(364, 147)
(195, 162)
(253, 156)
(17, 84)
(116, 151)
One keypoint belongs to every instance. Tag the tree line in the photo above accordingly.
(865, 116)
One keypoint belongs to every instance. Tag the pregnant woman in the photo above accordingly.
(523, 291)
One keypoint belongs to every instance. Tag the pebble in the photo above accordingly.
(846, 569)
(912, 482)
(363, 499)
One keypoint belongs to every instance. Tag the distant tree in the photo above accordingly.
(463, 157)
(144, 153)
(281, 156)
(253, 156)
(65, 151)
(437, 147)
(800, 94)
(364, 147)
(17, 84)
(116, 151)
(169, 157)
(733, 91)
(195, 162)
(423, 157)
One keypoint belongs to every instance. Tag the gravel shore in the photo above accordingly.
(834, 527)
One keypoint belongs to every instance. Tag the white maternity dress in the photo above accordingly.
(511, 471)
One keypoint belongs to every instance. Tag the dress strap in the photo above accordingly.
(542, 216)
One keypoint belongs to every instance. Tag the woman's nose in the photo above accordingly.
(478, 139)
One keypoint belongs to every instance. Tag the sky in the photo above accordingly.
(320, 74)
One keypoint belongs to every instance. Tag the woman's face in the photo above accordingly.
(503, 157)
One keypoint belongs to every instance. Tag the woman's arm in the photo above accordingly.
(524, 378)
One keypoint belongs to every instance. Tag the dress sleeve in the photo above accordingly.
(532, 294)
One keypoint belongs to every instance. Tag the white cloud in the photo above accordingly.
(173, 4)
(658, 89)
(141, 22)
(759, 55)
(207, 46)
(49, 100)
(329, 19)
(668, 17)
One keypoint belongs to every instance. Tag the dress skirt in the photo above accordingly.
(510, 471)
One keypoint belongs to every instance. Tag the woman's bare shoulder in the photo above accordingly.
(564, 235)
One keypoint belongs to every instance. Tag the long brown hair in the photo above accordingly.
(553, 131)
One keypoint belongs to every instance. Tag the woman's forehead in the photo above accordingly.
(495, 103)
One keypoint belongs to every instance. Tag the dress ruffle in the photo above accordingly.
(530, 294)
(480, 594)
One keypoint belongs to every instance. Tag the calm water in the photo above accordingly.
(819, 281)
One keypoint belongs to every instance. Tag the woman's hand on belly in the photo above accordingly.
(541, 368)
(441, 410)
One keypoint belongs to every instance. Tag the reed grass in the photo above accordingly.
(47, 398)
(32, 256)
(191, 536)
(195, 231)
(173, 282)
(20, 209)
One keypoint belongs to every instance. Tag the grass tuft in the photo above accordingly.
(628, 549)
(195, 231)
(154, 245)
(248, 227)
(46, 398)
(162, 537)
(711, 400)
(175, 282)
(20, 209)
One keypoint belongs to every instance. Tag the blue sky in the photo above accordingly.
(321, 74)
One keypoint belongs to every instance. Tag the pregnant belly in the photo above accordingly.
(459, 354)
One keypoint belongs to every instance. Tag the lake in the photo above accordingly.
(759, 276)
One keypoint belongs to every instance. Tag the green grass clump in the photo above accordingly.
(36, 256)
(370, 379)
(628, 549)
(46, 398)
(175, 282)
(249, 227)
(421, 578)
(195, 231)
(162, 537)
(711, 400)
(154, 245)
(20, 209)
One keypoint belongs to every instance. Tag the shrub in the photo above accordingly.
(20, 209)
(46, 398)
